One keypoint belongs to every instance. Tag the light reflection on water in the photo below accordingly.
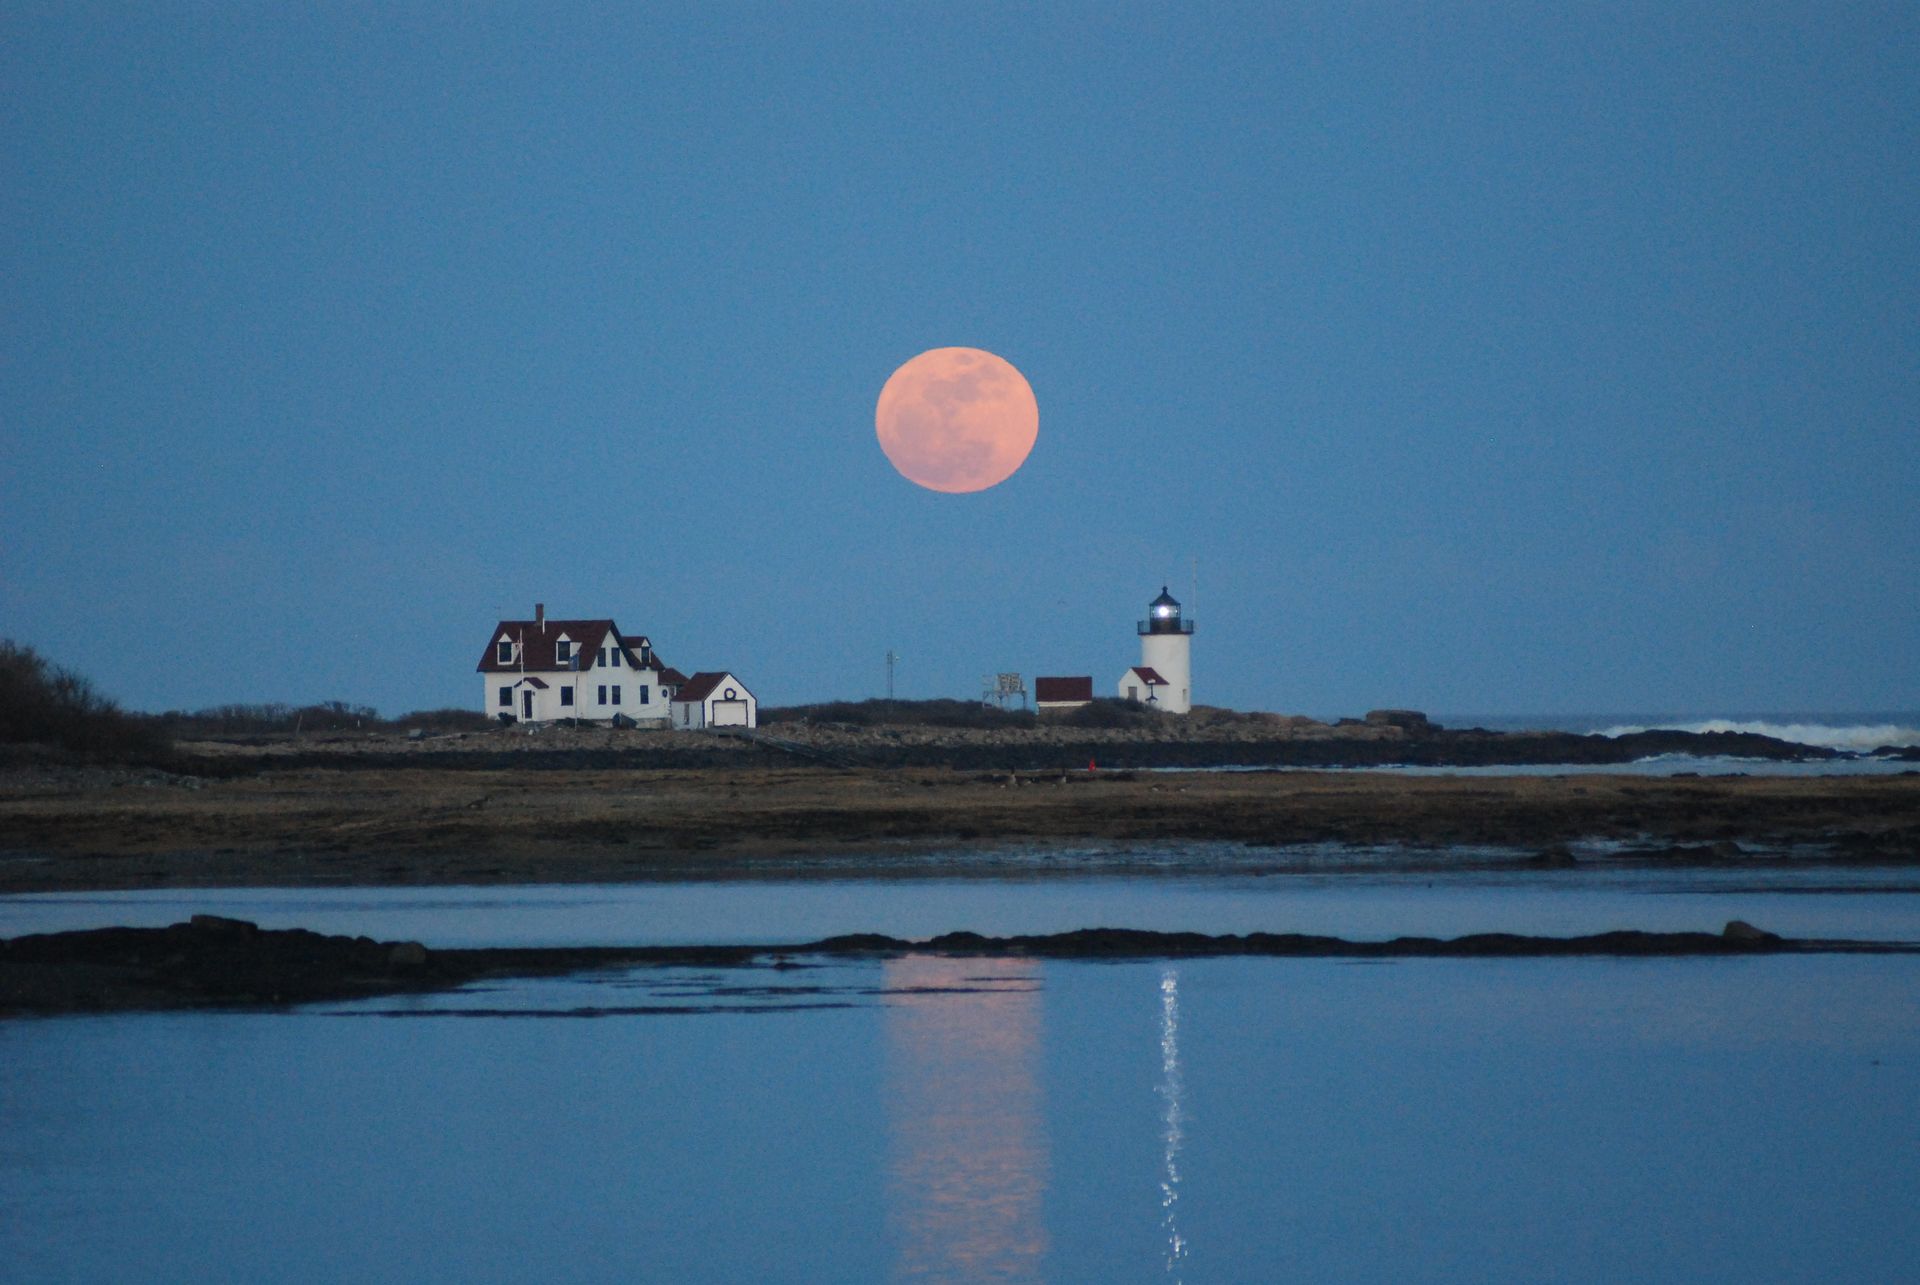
(967, 1169)
(939, 1119)
(925, 1118)
(1173, 1098)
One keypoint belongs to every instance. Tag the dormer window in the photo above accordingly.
(563, 651)
(505, 652)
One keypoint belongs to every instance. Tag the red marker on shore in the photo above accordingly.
(1092, 766)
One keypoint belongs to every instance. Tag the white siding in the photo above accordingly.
(546, 703)
(1167, 655)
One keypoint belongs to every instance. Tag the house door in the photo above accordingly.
(526, 703)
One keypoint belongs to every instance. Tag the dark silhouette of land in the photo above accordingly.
(213, 962)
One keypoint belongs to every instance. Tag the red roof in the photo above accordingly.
(1050, 690)
(1151, 677)
(702, 685)
(671, 677)
(538, 639)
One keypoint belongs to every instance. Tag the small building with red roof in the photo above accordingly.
(1062, 693)
(714, 699)
(1144, 686)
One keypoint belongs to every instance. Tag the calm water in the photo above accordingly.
(924, 1119)
(1806, 900)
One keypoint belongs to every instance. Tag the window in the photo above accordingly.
(616, 693)
(506, 652)
(616, 656)
(566, 695)
(563, 651)
(644, 693)
(506, 694)
(603, 655)
(603, 693)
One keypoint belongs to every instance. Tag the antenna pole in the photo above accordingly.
(893, 658)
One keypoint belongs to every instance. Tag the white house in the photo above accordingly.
(715, 699)
(541, 669)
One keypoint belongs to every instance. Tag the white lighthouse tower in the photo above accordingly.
(1164, 676)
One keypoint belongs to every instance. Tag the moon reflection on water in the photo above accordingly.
(1173, 1120)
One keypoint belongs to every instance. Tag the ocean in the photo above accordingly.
(1855, 732)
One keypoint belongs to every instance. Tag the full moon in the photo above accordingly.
(957, 420)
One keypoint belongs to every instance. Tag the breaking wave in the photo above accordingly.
(1855, 736)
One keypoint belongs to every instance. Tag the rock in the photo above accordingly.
(1693, 853)
(221, 924)
(1741, 930)
(407, 954)
(1410, 720)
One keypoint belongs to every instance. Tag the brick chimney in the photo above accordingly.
(540, 616)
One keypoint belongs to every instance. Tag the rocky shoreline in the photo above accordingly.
(214, 962)
(1207, 739)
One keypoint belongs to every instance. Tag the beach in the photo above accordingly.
(563, 815)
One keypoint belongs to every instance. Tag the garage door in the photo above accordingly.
(729, 713)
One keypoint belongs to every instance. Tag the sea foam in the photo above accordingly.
(1854, 736)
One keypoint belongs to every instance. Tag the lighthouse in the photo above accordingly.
(1163, 678)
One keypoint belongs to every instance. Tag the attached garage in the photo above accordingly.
(716, 699)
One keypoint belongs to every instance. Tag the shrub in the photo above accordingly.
(895, 713)
(276, 719)
(45, 704)
(1110, 711)
(271, 719)
(444, 720)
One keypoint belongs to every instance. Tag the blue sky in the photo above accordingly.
(1520, 358)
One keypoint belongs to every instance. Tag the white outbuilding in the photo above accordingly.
(714, 699)
(1144, 686)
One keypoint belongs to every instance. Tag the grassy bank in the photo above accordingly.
(402, 826)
